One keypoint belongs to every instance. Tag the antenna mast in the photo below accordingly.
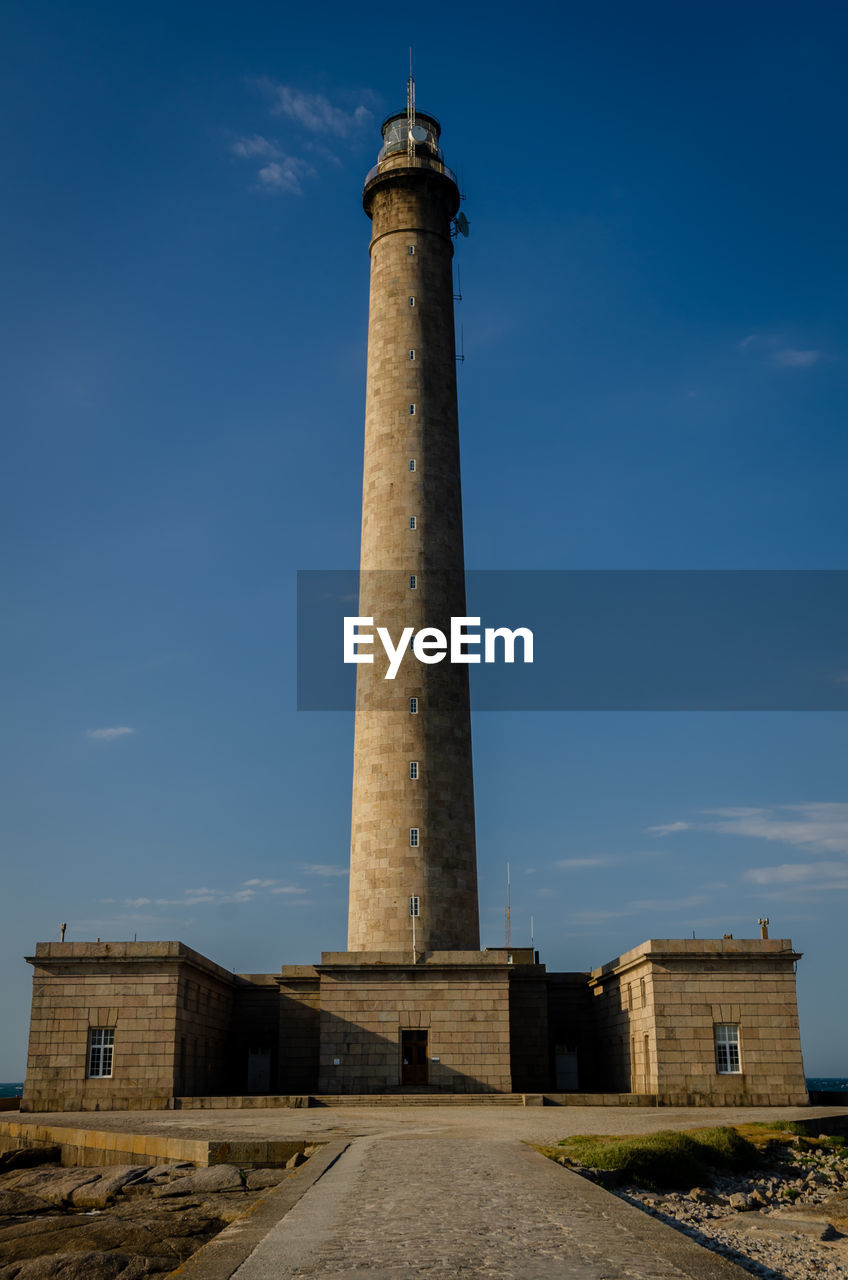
(508, 912)
(410, 112)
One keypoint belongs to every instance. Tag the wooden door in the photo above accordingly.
(413, 1057)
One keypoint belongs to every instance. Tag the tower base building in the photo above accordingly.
(154, 1025)
(135, 1024)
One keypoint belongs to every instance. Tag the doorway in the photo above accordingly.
(565, 1064)
(413, 1057)
(259, 1071)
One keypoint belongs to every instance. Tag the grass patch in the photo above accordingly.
(763, 1133)
(664, 1161)
(780, 1126)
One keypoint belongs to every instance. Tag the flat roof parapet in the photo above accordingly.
(659, 949)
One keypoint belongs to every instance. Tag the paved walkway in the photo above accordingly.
(441, 1193)
(399, 1208)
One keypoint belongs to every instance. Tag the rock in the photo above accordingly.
(27, 1157)
(702, 1196)
(57, 1186)
(99, 1194)
(170, 1238)
(218, 1177)
(15, 1203)
(259, 1179)
(161, 1173)
(89, 1265)
(741, 1203)
(227, 1207)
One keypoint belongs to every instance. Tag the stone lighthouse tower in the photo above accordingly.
(412, 830)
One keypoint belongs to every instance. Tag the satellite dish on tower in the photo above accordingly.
(462, 224)
(418, 134)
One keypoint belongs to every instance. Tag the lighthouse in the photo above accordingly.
(413, 857)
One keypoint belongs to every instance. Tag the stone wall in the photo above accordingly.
(461, 999)
(656, 1008)
(299, 1028)
(528, 1028)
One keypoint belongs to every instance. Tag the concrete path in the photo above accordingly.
(422, 1205)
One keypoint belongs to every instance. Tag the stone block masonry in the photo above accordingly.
(458, 1002)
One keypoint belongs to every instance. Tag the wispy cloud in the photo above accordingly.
(819, 827)
(205, 895)
(643, 906)
(324, 869)
(802, 875)
(313, 111)
(774, 347)
(108, 735)
(313, 124)
(577, 864)
(284, 175)
(793, 358)
(255, 145)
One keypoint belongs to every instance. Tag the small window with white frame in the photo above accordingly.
(413, 706)
(413, 581)
(413, 770)
(412, 464)
(101, 1047)
(728, 1061)
(413, 837)
(412, 411)
(412, 353)
(412, 302)
(411, 250)
(412, 522)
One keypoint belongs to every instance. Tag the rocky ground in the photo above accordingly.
(117, 1223)
(788, 1220)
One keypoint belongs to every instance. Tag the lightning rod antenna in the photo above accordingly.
(410, 112)
(508, 912)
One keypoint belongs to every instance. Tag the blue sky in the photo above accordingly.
(654, 325)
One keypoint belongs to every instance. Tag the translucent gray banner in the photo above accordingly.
(647, 640)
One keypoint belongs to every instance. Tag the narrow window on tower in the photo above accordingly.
(411, 250)
(413, 770)
(411, 410)
(413, 582)
(412, 522)
(412, 302)
(413, 706)
(412, 464)
(413, 837)
(412, 353)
